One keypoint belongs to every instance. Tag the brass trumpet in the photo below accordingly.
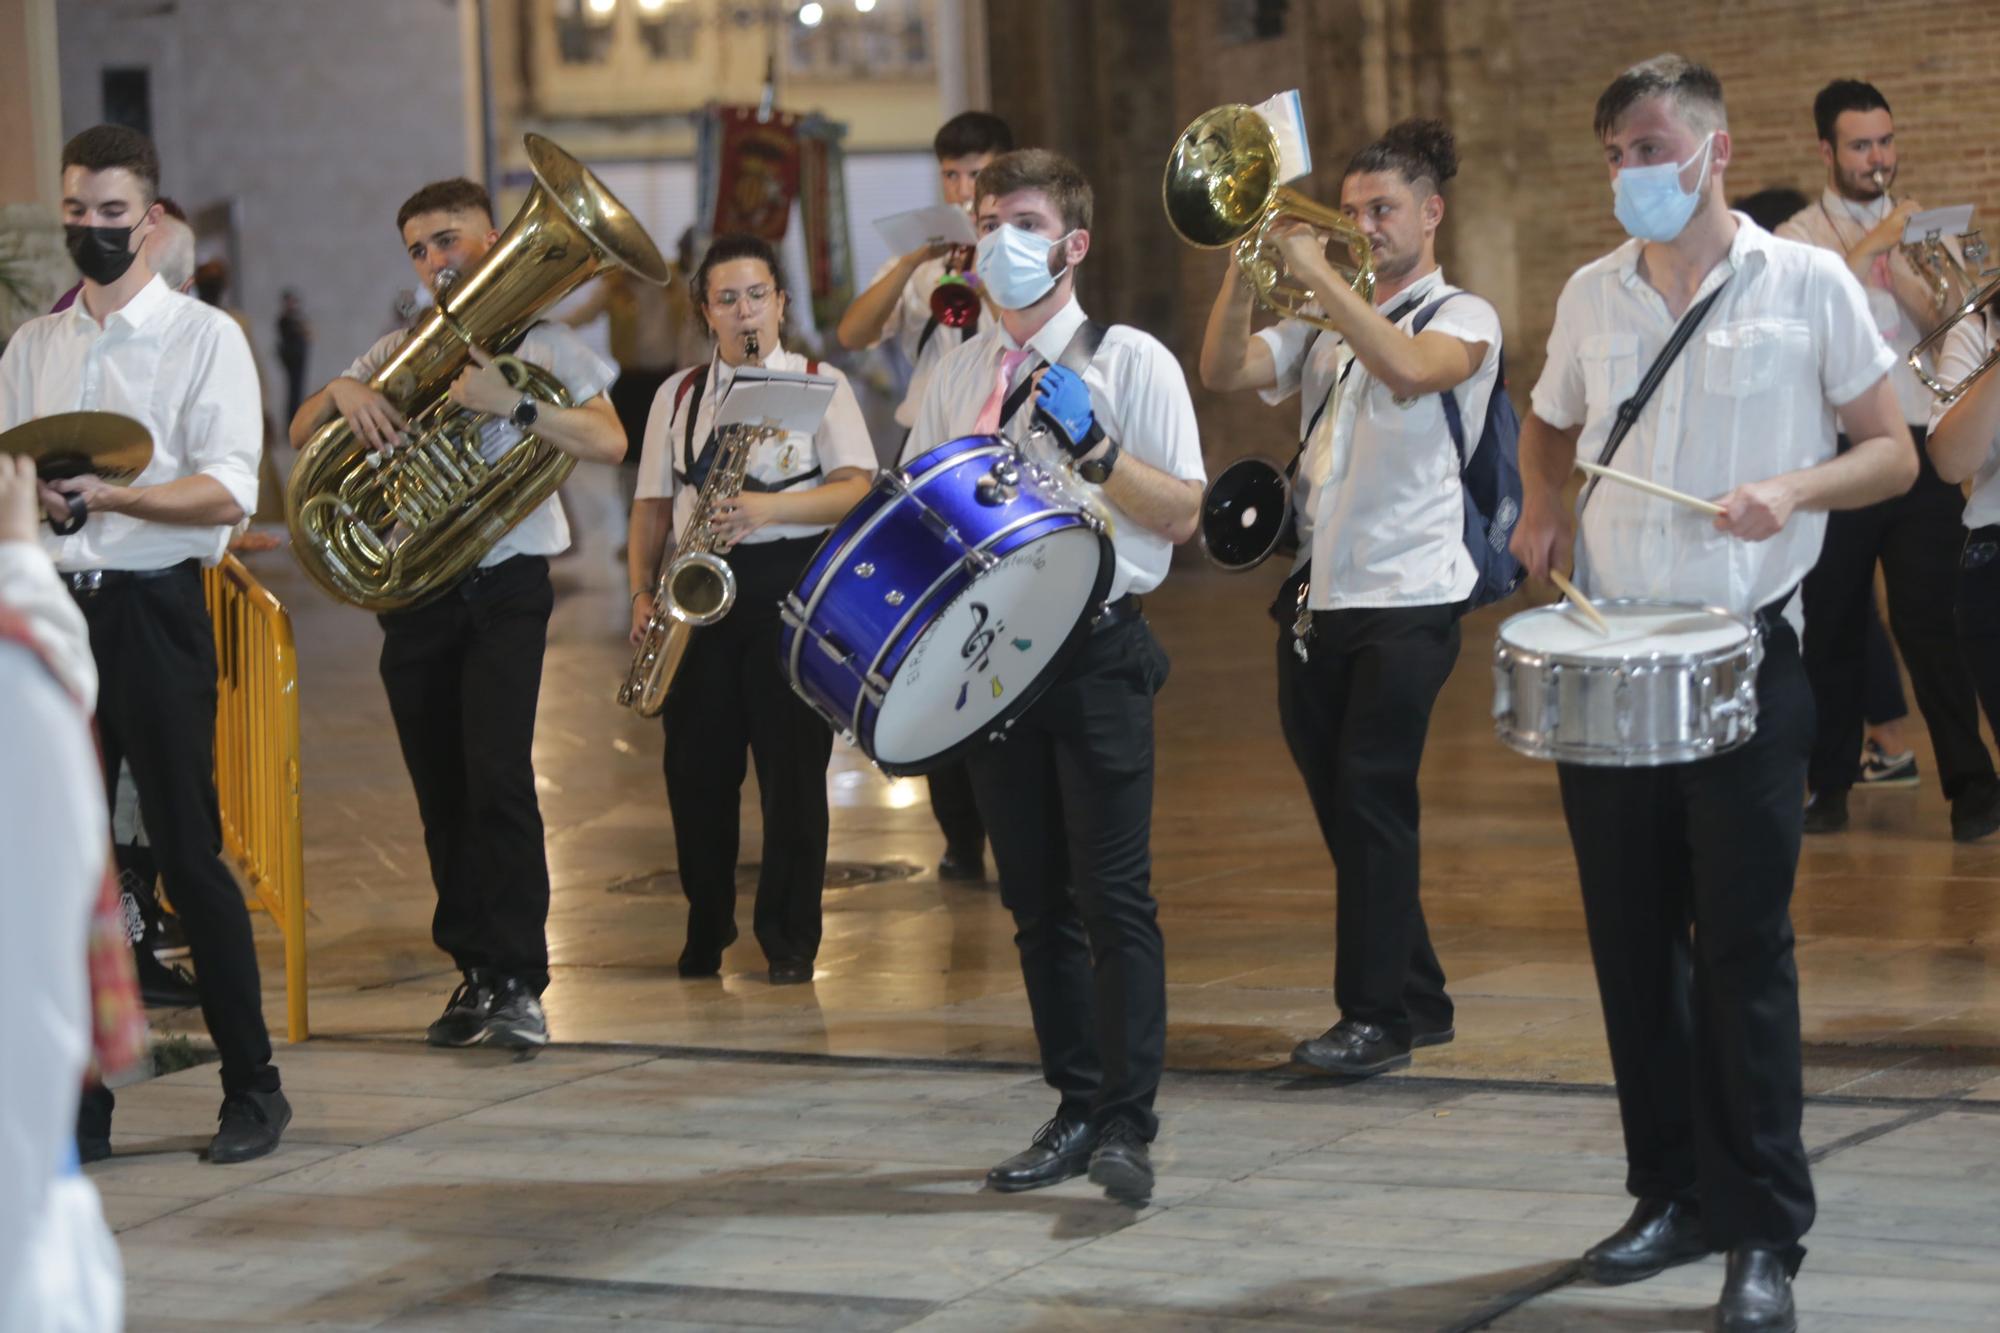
(1221, 189)
(1956, 294)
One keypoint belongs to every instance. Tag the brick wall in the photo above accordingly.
(1517, 80)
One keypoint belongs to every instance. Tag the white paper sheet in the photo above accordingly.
(786, 399)
(927, 226)
(1286, 116)
(1952, 221)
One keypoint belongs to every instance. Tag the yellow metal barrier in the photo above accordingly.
(257, 759)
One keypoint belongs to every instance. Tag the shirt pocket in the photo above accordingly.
(1752, 356)
(1610, 364)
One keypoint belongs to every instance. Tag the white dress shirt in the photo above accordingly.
(907, 321)
(556, 349)
(1970, 342)
(1836, 223)
(177, 366)
(1381, 513)
(59, 1267)
(1752, 395)
(1137, 391)
(840, 441)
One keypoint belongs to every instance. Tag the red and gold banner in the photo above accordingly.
(757, 166)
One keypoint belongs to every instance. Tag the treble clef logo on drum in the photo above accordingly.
(979, 644)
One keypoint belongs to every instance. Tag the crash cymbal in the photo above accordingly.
(113, 447)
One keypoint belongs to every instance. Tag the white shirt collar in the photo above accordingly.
(1420, 290)
(1749, 250)
(135, 313)
(1052, 339)
(1873, 211)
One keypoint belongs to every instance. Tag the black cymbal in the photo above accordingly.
(114, 448)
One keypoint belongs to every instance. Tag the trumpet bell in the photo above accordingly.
(1246, 516)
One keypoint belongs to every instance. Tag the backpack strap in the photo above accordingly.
(1452, 420)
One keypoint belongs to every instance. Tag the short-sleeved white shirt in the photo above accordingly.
(1752, 395)
(1388, 526)
(556, 349)
(1137, 391)
(1970, 342)
(840, 441)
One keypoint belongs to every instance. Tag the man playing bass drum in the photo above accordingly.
(1382, 560)
(463, 670)
(729, 694)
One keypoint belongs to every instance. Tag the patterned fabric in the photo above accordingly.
(118, 1019)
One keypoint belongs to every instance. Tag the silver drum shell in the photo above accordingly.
(1637, 711)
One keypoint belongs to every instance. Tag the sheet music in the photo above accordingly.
(782, 399)
(1285, 114)
(1952, 221)
(940, 223)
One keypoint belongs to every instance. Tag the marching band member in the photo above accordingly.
(898, 305)
(1687, 869)
(1915, 537)
(730, 694)
(132, 557)
(1381, 529)
(463, 670)
(1068, 795)
(1964, 446)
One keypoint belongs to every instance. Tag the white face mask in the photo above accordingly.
(1650, 202)
(1014, 265)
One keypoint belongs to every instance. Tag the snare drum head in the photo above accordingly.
(1636, 631)
(990, 647)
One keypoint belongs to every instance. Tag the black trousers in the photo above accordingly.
(155, 650)
(1687, 875)
(957, 810)
(1068, 803)
(1916, 537)
(1881, 679)
(731, 696)
(1978, 613)
(464, 673)
(1355, 715)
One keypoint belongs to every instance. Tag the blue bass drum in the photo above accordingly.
(945, 602)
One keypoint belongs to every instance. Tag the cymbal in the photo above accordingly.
(115, 448)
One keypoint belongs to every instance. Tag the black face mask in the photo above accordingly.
(101, 254)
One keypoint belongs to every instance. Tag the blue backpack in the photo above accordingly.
(1490, 476)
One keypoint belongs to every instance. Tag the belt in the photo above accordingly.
(1117, 613)
(83, 582)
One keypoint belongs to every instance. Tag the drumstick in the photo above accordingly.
(1649, 487)
(1579, 601)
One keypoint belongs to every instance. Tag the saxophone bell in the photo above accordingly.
(701, 588)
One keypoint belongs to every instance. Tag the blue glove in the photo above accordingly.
(1063, 401)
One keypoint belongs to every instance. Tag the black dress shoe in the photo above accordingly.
(967, 867)
(1975, 812)
(1355, 1049)
(1061, 1151)
(1658, 1235)
(791, 972)
(699, 958)
(1435, 1034)
(93, 1123)
(1826, 812)
(1757, 1294)
(1121, 1166)
(164, 985)
(252, 1124)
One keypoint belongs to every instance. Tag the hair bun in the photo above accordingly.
(1430, 142)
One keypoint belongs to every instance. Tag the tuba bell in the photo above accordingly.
(386, 531)
(1221, 189)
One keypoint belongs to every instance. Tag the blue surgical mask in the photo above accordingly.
(1650, 202)
(1014, 265)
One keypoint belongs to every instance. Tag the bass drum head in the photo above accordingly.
(1245, 514)
(992, 650)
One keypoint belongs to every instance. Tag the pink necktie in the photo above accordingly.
(989, 415)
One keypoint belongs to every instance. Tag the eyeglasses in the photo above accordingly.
(754, 297)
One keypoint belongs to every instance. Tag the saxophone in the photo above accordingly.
(697, 587)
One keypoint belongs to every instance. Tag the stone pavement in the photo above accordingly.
(599, 1188)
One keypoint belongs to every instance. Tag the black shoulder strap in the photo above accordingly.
(931, 326)
(1394, 317)
(1077, 355)
(692, 407)
(1629, 410)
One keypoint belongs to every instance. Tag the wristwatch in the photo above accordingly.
(525, 412)
(1098, 469)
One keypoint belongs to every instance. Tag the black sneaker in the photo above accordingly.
(163, 985)
(516, 1021)
(1826, 812)
(1121, 1165)
(465, 1013)
(1887, 770)
(252, 1124)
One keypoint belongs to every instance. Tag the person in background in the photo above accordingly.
(295, 337)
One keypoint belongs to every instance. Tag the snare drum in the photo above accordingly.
(945, 602)
(1669, 684)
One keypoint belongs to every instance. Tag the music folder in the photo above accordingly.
(780, 399)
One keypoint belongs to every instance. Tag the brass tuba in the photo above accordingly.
(386, 531)
(1221, 188)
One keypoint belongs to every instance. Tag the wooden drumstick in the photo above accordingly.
(1579, 601)
(1649, 487)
